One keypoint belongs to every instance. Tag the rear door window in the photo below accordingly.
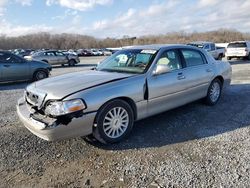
(193, 57)
(212, 47)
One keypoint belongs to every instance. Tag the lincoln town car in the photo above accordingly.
(130, 85)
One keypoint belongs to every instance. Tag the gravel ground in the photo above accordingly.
(192, 146)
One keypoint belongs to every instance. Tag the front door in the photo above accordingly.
(166, 91)
(13, 67)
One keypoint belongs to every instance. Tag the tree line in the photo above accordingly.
(77, 41)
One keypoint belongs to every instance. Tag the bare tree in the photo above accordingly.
(76, 41)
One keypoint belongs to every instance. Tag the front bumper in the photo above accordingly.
(81, 126)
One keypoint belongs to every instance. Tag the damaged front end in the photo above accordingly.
(54, 119)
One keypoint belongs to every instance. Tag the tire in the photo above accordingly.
(214, 92)
(248, 57)
(62, 65)
(39, 75)
(113, 129)
(220, 56)
(229, 58)
(72, 62)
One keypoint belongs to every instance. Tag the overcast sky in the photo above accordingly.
(116, 18)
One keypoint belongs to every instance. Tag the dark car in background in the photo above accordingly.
(15, 68)
(84, 52)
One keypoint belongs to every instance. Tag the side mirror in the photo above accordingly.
(161, 69)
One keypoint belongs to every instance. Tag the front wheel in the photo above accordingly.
(214, 92)
(229, 58)
(114, 122)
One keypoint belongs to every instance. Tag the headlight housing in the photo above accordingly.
(59, 108)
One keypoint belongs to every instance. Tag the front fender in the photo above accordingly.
(95, 97)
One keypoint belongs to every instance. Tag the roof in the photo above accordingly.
(201, 42)
(239, 41)
(156, 46)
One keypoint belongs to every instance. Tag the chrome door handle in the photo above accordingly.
(181, 77)
(209, 70)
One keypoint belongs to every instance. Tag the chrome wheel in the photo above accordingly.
(215, 92)
(116, 122)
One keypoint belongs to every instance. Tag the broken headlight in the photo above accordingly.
(59, 108)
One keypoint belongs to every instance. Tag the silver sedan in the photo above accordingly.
(128, 86)
(55, 57)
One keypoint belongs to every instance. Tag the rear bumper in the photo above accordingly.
(81, 126)
(236, 54)
(78, 60)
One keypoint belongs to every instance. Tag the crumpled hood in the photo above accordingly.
(64, 85)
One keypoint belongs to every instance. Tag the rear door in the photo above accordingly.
(213, 51)
(198, 73)
(51, 57)
(14, 68)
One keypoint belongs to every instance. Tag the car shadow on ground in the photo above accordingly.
(190, 122)
(13, 86)
(239, 61)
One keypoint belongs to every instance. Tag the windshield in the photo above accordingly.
(128, 61)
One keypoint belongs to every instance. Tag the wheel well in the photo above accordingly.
(221, 79)
(126, 99)
(44, 60)
(72, 60)
(44, 70)
(131, 103)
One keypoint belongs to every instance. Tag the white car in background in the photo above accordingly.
(238, 49)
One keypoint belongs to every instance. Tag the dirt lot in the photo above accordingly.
(192, 146)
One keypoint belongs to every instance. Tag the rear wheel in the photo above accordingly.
(229, 58)
(72, 62)
(39, 75)
(220, 57)
(114, 122)
(214, 92)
